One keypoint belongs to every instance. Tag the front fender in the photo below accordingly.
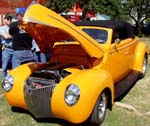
(91, 83)
(15, 97)
(140, 51)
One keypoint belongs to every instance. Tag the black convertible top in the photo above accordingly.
(120, 26)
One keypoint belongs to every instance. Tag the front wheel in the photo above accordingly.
(99, 112)
(144, 67)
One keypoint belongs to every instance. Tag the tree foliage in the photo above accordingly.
(60, 5)
(138, 11)
(109, 7)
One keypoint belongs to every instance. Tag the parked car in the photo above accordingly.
(92, 65)
(146, 29)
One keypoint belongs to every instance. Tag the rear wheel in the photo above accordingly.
(99, 112)
(144, 67)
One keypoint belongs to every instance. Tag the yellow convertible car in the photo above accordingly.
(92, 65)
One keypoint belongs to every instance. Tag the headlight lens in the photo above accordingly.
(8, 83)
(72, 94)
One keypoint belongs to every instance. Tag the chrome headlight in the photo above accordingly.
(72, 94)
(8, 83)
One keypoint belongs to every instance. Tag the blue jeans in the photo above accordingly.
(21, 56)
(39, 57)
(36, 56)
(7, 55)
(42, 57)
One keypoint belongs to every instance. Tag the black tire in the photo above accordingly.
(99, 112)
(144, 67)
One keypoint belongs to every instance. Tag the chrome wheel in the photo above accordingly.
(102, 106)
(144, 67)
(99, 112)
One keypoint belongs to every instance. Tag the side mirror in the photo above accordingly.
(117, 41)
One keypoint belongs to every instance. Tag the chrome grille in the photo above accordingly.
(38, 99)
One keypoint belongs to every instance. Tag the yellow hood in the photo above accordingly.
(47, 27)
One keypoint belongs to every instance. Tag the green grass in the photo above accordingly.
(138, 97)
(121, 117)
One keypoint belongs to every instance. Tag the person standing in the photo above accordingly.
(22, 41)
(7, 51)
(38, 55)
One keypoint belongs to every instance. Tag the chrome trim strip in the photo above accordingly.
(123, 47)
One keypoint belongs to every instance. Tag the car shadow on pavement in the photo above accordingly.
(54, 121)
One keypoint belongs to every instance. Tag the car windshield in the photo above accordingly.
(99, 35)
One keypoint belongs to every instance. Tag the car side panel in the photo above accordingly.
(93, 82)
(120, 56)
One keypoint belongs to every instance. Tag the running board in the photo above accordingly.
(124, 86)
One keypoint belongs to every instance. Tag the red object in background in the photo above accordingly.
(12, 4)
(18, 3)
(8, 6)
(77, 13)
(76, 8)
(4, 4)
(90, 14)
(74, 18)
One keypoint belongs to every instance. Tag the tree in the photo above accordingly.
(109, 7)
(138, 11)
(60, 6)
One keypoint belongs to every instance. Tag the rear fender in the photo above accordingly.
(140, 52)
(91, 83)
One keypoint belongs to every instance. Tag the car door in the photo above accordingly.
(121, 56)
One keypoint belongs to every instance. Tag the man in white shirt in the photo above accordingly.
(7, 51)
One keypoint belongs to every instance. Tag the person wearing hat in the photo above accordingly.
(7, 51)
(22, 41)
